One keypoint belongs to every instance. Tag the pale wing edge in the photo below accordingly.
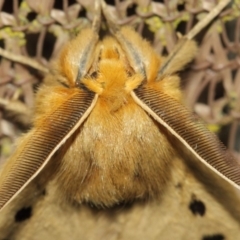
(11, 180)
(223, 165)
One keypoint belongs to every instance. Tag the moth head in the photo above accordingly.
(123, 59)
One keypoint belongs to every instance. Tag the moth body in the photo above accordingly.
(110, 127)
(119, 153)
(105, 120)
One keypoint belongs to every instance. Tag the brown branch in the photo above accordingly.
(203, 23)
(23, 60)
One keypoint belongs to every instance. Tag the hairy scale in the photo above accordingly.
(109, 172)
(116, 153)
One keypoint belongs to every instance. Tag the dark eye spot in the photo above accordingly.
(197, 207)
(44, 192)
(23, 214)
(94, 74)
(214, 237)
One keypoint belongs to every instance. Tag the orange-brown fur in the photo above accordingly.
(120, 153)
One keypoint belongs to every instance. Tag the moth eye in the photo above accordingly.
(94, 74)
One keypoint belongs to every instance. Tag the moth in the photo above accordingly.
(113, 148)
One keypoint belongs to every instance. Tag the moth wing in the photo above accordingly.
(190, 131)
(187, 210)
(39, 145)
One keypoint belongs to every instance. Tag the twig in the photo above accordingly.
(203, 23)
(24, 60)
